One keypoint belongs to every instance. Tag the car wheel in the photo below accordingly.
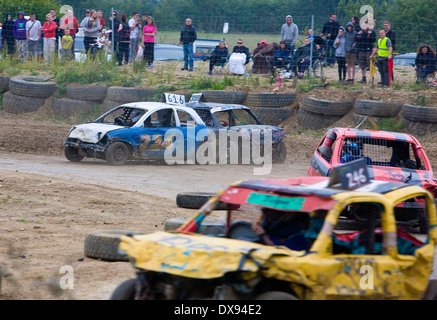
(103, 244)
(117, 154)
(125, 290)
(280, 153)
(72, 154)
(276, 295)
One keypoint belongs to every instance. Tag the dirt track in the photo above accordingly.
(48, 205)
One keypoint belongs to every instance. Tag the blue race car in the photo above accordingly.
(240, 119)
(135, 131)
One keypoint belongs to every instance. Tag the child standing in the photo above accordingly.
(340, 54)
(67, 44)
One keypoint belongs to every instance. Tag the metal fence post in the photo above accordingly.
(113, 36)
(311, 44)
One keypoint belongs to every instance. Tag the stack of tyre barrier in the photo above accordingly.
(221, 96)
(420, 120)
(119, 95)
(374, 109)
(4, 84)
(271, 108)
(27, 93)
(79, 100)
(315, 113)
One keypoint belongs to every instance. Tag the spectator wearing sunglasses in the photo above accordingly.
(240, 48)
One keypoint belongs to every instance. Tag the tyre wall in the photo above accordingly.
(23, 94)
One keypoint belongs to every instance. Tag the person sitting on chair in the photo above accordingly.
(302, 57)
(219, 55)
(240, 48)
(281, 55)
(283, 229)
(425, 62)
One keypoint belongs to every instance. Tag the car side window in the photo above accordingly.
(411, 224)
(185, 119)
(163, 118)
(358, 230)
(223, 118)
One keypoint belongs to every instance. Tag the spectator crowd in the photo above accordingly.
(354, 45)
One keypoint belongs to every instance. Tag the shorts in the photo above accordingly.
(364, 59)
(351, 59)
(34, 47)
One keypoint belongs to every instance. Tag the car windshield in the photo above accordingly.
(381, 152)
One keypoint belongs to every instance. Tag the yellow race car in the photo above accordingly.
(317, 255)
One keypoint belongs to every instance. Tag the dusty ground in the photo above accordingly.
(48, 205)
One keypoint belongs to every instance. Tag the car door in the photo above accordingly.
(361, 263)
(151, 135)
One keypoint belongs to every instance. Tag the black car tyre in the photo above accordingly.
(419, 114)
(276, 295)
(272, 116)
(13, 103)
(103, 244)
(31, 86)
(66, 108)
(274, 100)
(95, 93)
(207, 227)
(311, 120)
(377, 108)
(195, 200)
(4, 84)
(117, 154)
(330, 108)
(431, 290)
(72, 154)
(221, 96)
(125, 290)
(126, 95)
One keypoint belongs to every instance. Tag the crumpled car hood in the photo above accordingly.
(92, 132)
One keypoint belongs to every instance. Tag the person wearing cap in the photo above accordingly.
(289, 33)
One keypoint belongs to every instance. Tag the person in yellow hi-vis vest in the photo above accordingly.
(383, 53)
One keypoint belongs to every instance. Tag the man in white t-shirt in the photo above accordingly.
(135, 34)
(33, 35)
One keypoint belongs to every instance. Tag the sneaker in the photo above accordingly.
(191, 69)
(151, 66)
(363, 80)
(210, 73)
(184, 68)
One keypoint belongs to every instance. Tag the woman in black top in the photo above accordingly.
(7, 36)
(124, 40)
(425, 62)
(219, 55)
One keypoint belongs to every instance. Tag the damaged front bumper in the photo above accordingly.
(86, 148)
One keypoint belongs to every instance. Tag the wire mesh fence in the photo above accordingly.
(407, 37)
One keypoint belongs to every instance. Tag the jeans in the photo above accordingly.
(87, 41)
(341, 62)
(188, 56)
(422, 73)
(133, 49)
(330, 51)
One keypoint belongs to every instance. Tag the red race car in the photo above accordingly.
(390, 156)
